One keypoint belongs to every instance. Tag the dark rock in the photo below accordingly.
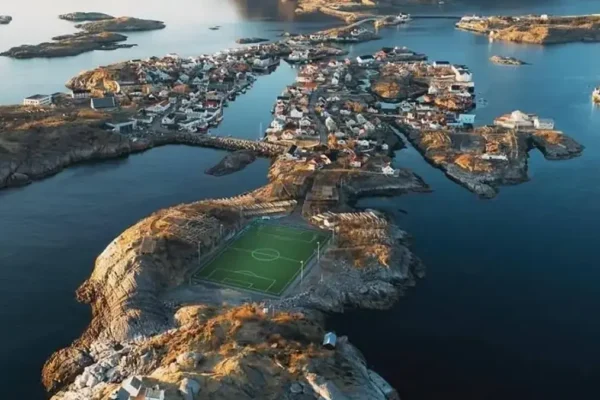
(232, 163)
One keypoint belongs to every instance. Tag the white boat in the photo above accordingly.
(596, 95)
(402, 18)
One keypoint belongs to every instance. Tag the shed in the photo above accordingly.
(329, 340)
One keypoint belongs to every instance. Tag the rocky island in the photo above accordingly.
(85, 16)
(542, 29)
(5, 19)
(99, 35)
(69, 45)
(121, 24)
(506, 60)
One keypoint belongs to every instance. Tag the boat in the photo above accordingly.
(596, 95)
(402, 18)
(215, 28)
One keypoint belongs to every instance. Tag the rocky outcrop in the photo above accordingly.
(506, 60)
(5, 19)
(555, 145)
(85, 16)
(251, 40)
(69, 45)
(122, 24)
(232, 163)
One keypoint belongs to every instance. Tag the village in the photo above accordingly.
(349, 112)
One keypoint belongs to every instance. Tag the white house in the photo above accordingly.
(361, 119)
(159, 108)
(369, 127)
(487, 156)
(348, 78)
(123, 127)
(543, 123)
(191, 125)
(363, 143)
(305, 122)
(466, 119)
(278, 124)
(38, 100)
(133, 385)
(168, 119)
(366, 59)
(335, 81)
(296, 114)
(330, 124)
(388, 170)
(462, 74)
(80, 94)
(355, 164)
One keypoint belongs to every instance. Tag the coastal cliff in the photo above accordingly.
(149, 320)
(536, 29)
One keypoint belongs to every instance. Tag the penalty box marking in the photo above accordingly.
(243, 273)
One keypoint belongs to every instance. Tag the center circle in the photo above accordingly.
(266, 254)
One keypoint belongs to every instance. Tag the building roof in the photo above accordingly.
(80, 91)
(38, 97)
(103, 102)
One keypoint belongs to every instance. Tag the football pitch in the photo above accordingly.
(264, 258)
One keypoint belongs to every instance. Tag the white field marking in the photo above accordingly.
(251, 251)
(235, 281)
(271, 285)
(290, 239)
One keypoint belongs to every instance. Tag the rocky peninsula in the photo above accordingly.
(99, 35)
(538, 29)
(5, 19)
(502, 60)
(85, 16)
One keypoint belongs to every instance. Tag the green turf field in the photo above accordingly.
(263, 258)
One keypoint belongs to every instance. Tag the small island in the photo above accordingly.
(69, 45)
(251, 40)
(232, 162)
(5, 19)
(537, 29)
(122, 24)
(85, 16)
(507, 60)
(99, 35)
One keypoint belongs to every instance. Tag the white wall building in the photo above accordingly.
(38, 100)
(543, 123)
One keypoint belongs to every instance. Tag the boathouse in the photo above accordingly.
(330, 340)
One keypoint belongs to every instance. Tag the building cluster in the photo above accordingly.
(174, 92)
(449, 99)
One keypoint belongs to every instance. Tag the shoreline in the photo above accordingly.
(377, 300)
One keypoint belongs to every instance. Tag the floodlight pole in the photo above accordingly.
(318, 252)
(301, 272)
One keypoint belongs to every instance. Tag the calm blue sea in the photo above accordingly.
(509, 306)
